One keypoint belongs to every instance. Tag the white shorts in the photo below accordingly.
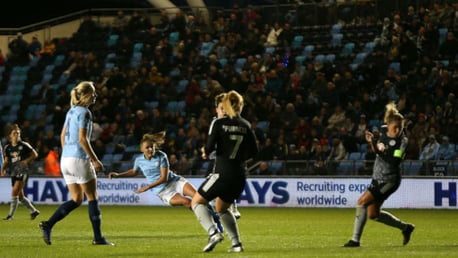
(77, 171)
(171, 189)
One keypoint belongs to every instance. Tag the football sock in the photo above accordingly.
(94, 216)
(61, 212)
(13, 205)
(390, 220)
(360, 222)
(28, 204)
(204, 217)
(230, 224)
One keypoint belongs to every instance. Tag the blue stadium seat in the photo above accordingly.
(354, 156)
(297, 41)
(174, 37)
(308, 50)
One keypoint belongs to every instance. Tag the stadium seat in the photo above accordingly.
(182, 85)
(263, 125)
(276, 167)
(112, 40)
(320, 58)
(369, 47)
(297, 41)
(308, 50)
(59, 59)
(347, 49)
(344, 168)
(414, 168)
(442, 35)
(239, 62)
(336, 39)
(138, 47)
(269, 50)
(336, 28)
(360, 58)
(354, 156)
(330, 58)
(300, 59)
(174, 37)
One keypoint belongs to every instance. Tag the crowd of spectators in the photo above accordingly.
(304, 110)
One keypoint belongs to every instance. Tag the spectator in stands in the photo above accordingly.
(446, 150)
(429, 153)
(274, 33)
(448, 50)
(264, 169)
(2, 58)
(119, 23)
(337, 118)
(19, 51)
(318, 155)
(35, 46)
(336, 154)
(51, 162)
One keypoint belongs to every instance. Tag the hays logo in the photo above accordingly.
(443, 191)
(47, 191)
(264, 192)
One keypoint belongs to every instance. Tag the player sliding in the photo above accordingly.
(172, 189)
(386, 177)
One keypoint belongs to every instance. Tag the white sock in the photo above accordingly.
(360, 222)
(204, 217)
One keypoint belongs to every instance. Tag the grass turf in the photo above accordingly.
(141, 231)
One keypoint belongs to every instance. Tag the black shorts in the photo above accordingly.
(226, 189)
(19, 177)
(381, 191)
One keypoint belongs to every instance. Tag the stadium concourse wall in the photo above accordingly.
(325, 192)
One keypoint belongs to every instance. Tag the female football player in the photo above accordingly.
(234, 143)
(172, 189)
(79, 163)
(18, 156)
(386, 177)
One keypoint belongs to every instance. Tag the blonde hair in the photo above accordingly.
(156, 138)
(82, 93)
(232, 103)
(392, 114)
(219, 98)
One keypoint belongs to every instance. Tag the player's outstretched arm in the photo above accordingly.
(128, 173)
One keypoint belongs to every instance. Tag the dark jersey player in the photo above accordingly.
(235, 143)
(386, 177)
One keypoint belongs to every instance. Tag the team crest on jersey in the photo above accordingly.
(392, 142)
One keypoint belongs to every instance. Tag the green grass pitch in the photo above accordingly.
(142, 231)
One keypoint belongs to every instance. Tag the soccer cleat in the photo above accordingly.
(238, 248)
(351, 243)
(34, 214)
(9, 217)
(214, 239)
(234, 210)
(102, 241)
(237, 214)
(407, 232)
(46, 231)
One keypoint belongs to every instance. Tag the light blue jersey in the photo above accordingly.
(77, 117)
(151, 169)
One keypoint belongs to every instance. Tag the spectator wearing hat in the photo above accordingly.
(446, 150)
